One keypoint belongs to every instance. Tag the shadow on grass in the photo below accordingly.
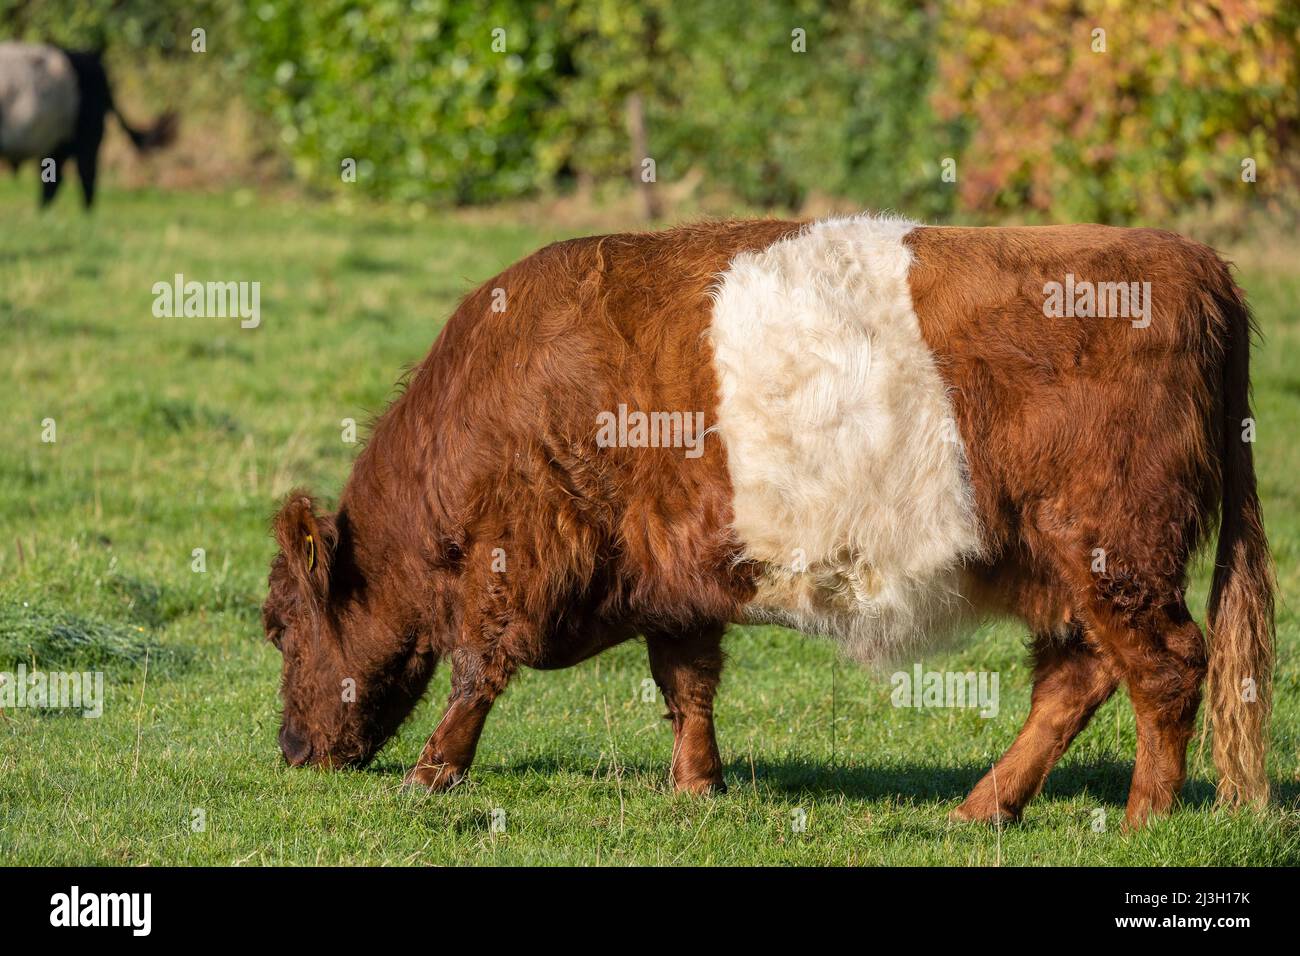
(1106, 781)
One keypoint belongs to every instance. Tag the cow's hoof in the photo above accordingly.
(434, 778)
(1141, 813)
(991, 814)
(702, 785)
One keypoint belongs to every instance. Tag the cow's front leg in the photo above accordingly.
(445, 760)
(687, 667)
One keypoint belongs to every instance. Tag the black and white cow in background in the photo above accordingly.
(52, 107)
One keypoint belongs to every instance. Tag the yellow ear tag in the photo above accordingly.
(311, 553)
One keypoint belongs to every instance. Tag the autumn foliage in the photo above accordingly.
(1109, 110)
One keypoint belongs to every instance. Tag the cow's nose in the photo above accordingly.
(296, 749)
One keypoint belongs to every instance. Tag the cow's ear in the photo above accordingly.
(307, 542)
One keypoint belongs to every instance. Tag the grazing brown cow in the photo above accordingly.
(859, 428)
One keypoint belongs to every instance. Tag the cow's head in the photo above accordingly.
(349, 675)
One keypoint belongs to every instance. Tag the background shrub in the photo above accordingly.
(1039, 121)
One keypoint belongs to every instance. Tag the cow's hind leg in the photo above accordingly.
(1136, 615)
(1071, 680)
(1162, 655)
(87, 166)
(687, 667)
(446, 758)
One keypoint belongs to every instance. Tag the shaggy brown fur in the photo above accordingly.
(1090, 434)
(482, 524)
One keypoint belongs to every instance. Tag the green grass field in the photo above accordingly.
(177, 434)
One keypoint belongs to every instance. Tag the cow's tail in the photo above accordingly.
(160, 133)
(1240, 614)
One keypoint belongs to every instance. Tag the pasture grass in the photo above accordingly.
(177, 434)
